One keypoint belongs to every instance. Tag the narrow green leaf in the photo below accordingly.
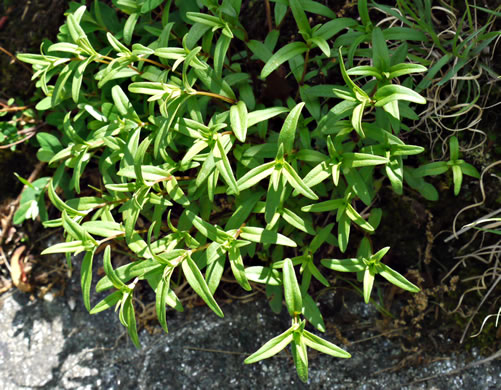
(368, 283)
(332, 27)
(273, 196)
(239, 120)
(148, 172)
(193, 151)
(243, 210)
(108, 302)
(110, 272)
(322, 44)
(359, 185)
(284, 54)
(365, 70)
(346, 265)
(129, 26)
(150, 5)
(130, 316)
(356, 119)
(316, 274)
(258, 116)
(103, 228)
(139, 269)
(320, 207)
(76, 32)
(260, 235)
(264, 275)
(260, 50)
(56, 201)
(214, 84)
(65, 247)
(363, 11)
(343, 231)
(222, 45)
(224, 167)
(404, 69)
(405, 150)
(197, 282)
(312, 313)
(209, 20)
(357, 160)
(300, 17)
(469, 169)
(354, 88)
(59, 91)
(76, 83)
(380, 53)
(299, 223)
(288, 131)
(208, 230)
(356, 217)
(175, 192)
(123, 104)
(395, 172)
(296, 182)
(65, 47)
(73, 229)
(117, 45)
(255, 175)
(431, 169)
(272, 347)
(397, 279)
(393, 92)
(320, 237)
(238, 269)
(215, 268)
(324, 346)
(300, 356)
(457, 178)
(86, 277)
(37, 59)
(454, 148)
(161, 293)
(292, 291)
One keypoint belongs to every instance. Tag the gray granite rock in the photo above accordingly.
(55, 344)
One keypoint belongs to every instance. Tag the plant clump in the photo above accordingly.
(166, 149)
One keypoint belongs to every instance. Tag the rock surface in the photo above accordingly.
(55, 344)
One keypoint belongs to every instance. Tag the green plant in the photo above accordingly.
(16, 123)
(458, 167)
(191, 178)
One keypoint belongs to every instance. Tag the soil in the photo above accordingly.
(23, 26)
(410, 225)
(26, 24)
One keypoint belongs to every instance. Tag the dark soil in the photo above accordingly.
(23, 26)
(26, 24)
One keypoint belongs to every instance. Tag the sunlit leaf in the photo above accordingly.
(272, 347)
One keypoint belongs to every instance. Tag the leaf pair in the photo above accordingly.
(296, 335)
(370, 266)
(122, 298)
(455, 164)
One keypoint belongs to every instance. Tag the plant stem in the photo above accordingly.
(215, 95)
(305, 67)
(268, 15)
(15, 59)
(154, 63)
